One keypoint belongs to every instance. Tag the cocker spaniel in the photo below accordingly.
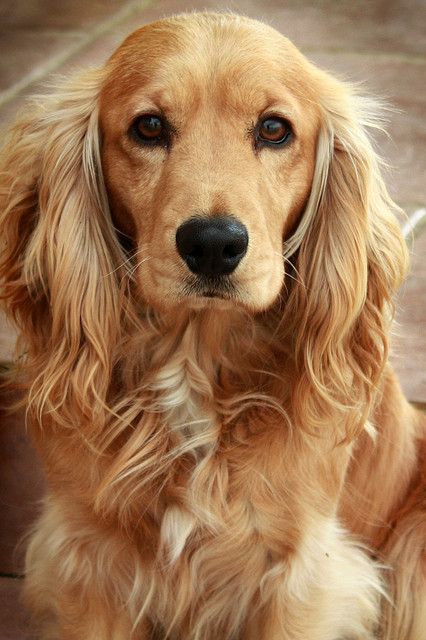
(200, 255)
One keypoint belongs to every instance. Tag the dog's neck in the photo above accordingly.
(207, 369)
(229, 351)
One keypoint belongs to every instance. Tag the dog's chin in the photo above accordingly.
(210, 300)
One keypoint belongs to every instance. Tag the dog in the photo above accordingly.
(200, 255)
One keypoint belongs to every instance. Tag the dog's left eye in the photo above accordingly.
(149, 129)
(273, 130)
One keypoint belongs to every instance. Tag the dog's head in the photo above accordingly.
(208, 164)
(210, 128)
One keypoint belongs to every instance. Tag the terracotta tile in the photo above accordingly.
(409, 344)
(7, 339)
(375, 26)
(35, 36)
(90, 55)
(21, 487)
(73, 14)
(402, 86)
(14, 619)
(24, 52)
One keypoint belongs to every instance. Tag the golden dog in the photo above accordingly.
(200, 256)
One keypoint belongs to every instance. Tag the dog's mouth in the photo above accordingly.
(210, 287)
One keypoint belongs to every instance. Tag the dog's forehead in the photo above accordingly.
(240, 62)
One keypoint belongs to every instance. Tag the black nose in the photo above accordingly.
(212, 246)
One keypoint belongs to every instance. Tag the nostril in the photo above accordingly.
(234, 250)
(196, 251)
(229, 252)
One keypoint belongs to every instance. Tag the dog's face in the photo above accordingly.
(209, 134)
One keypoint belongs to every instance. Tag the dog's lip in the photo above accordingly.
(211, 293)
(217, 288)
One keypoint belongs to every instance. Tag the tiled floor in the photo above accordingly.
(380, 43)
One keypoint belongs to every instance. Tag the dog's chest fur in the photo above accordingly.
(208, 425)
(184, 397)
(211, 536)
(237, 528)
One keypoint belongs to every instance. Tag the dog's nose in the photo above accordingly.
(212, 246)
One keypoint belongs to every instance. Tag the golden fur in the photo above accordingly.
(241, 467)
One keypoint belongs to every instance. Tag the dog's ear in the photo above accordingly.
(351, 259)
(59, 251)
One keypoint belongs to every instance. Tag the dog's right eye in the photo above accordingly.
(149, 129)
(274, 131)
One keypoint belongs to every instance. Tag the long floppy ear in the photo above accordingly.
(59, 252)
(351, 259)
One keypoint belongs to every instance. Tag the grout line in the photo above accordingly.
(40, 72)
(48, 67)
(415, 223)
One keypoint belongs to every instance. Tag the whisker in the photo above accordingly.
(137, 265)
(122, 264)
(299, 278)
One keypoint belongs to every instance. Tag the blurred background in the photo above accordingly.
(380, 44)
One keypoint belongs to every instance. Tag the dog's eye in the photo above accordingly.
(149, 129)
(274, 131)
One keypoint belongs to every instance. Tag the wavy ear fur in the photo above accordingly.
(57, 264)
(349, 264)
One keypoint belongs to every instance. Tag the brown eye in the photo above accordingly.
(274, 130)
(149, 129)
